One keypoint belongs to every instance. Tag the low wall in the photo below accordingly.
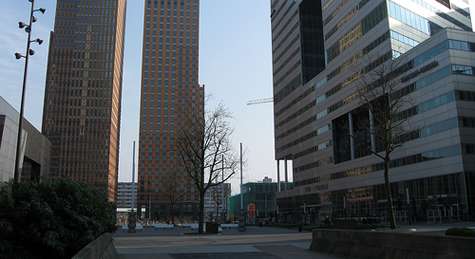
(384, 245)
(101, 248)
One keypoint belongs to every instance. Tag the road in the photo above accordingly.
(266, 243)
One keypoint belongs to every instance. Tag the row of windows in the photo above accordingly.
(291, 44)
(349, 81)
(430, 130)
(169, 3)
(284, 40)
(296, 114)
(444, 15)
(369, 22)
(346, 18)
(461, 11)
(310, 180)
(290, 71)
(403, 39)
(435, 103)
(284, 27)
(289, 88)
(435, 77)
(295, 101)
(463, 70)
(408, 17)
(297, 141)
(351, 61)
(334, 12)
(276, 13)
(296, 128)
(417, 61)
(284, 64)
(321, 147)
(441, 153)
(438, 49)
(436, 128)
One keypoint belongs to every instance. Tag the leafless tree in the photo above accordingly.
(207, 154)
(381, 93)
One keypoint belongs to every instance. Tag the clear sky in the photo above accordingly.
(235, 66)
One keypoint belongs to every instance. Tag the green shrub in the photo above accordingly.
(51, 220)
(461, 232)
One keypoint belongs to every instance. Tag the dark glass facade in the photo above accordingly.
(311, 31)
(262, 195)
(82, 105)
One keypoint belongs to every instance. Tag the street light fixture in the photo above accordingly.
(18, 56)
(29, 52)
(42, 10)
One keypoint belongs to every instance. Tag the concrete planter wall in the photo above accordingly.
(383, 245)
(101, 248)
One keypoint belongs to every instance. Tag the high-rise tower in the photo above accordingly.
(83, 91)
(170, 92)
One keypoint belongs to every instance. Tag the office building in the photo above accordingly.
(82, 105)
(298, 56)
(35, 148)
(126, 195)
(216, 202)
(334, 172)
(259, 201)
(170, 97)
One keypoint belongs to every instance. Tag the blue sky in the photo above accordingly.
(235, 66)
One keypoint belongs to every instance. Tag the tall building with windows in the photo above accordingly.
(298, 56)
(82, 103)
(317, 122)
(170, 93)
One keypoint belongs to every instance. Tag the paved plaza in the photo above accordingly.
(266, 243)
(255, 242)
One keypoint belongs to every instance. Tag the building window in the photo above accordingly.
(462, 70)
(407, 17)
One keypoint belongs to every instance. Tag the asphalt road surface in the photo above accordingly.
(266, 243)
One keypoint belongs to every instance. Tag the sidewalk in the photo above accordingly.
(256, 243)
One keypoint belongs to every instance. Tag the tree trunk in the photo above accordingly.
(392, 216)
(202, 213)
(173, 214)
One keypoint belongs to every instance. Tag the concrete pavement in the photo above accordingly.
(266, 243)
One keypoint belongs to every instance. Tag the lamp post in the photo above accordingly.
(29, 52)
(242, 225)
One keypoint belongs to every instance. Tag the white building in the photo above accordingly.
(216, 201)
(126, 195)
(35, 147)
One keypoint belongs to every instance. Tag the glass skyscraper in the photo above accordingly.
(82, 103)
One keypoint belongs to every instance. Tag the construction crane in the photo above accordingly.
(260, 101)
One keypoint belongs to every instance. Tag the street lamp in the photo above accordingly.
(29, 52)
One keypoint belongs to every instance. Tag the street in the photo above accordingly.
(267, 243)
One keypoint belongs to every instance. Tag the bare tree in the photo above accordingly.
(381, 93)
(206, 153)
